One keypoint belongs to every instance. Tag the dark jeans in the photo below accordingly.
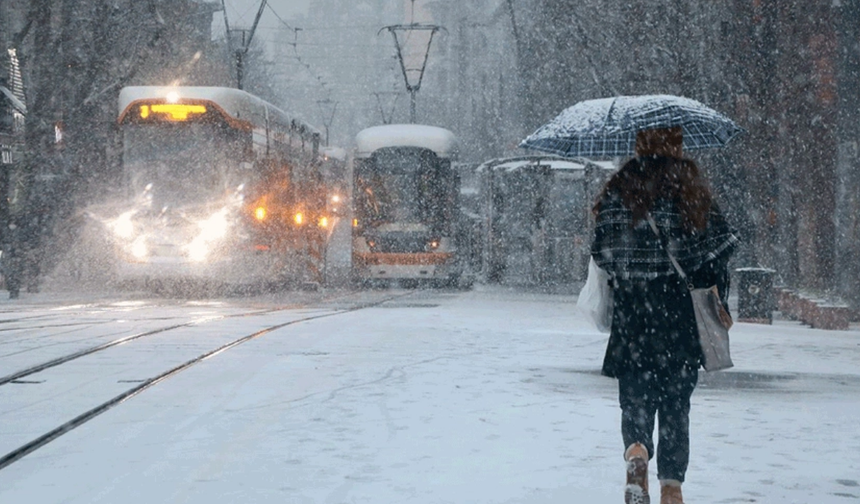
(643, 395)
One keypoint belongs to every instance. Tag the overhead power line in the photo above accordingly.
(298, 57)
(263, 4)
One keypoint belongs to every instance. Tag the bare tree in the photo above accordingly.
(77, 55)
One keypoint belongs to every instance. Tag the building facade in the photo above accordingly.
(786, 70)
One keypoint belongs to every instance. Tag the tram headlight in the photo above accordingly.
(260, 214)
(433, 244)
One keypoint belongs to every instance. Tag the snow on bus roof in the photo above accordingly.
(439, 140)
(239, 104)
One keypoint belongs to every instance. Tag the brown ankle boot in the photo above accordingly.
(670, 492)
(636, 491)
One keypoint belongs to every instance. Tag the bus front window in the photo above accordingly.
(185, 162)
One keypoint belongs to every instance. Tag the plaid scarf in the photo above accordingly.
(626, 251)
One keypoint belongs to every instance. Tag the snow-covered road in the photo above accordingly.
(488, 396)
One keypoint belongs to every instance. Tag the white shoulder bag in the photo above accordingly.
(596, 299)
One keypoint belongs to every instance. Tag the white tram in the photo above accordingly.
(405, 203)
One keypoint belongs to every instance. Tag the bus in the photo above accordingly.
(216, 184)
(405, 205)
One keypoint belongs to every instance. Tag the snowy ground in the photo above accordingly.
(489, 396)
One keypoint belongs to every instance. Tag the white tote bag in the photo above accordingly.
(595, 298)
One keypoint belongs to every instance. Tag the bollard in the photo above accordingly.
(755, 295)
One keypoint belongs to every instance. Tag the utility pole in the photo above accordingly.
(246, 37)
(412, 74)
(239, 55)
(328, 118)
(394, 95)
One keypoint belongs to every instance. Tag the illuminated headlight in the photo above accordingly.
(215, 227)
(211, 230)
(139, 249)
(433, 244)
(123, 227)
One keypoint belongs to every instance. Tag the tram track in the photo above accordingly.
(18, 375)
(46, 438)
(54, 326)
(25, 319)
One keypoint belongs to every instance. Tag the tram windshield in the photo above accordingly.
(186, 163)
(403, 186)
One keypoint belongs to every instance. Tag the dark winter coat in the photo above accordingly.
(653, 324)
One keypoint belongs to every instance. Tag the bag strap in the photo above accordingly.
(675, 263)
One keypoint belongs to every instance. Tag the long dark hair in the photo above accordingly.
(642, 180)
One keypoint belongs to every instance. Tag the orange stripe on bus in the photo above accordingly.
(426, 258)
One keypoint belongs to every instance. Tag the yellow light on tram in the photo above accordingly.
(144, 111)
(176, 111)
(299, 218)
(323, 222)
(354, 222)
(260, 213)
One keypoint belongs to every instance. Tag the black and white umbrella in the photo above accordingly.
(607, 127)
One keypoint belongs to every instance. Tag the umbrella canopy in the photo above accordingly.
(607, 126)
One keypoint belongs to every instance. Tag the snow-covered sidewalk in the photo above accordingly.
(489, 396)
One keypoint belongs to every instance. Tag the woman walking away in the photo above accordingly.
(653, 347)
